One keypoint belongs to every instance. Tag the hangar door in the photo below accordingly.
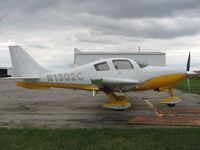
(3, 72)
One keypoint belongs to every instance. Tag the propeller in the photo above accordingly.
(188, 62)
(188, 70)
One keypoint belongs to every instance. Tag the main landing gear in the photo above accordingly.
(117, 102)
(172, 100)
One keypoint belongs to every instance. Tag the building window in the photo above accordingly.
(122, 64)
(101, 66)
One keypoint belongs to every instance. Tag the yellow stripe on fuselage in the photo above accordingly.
(161, 81)
(38, 85)
(158, 82)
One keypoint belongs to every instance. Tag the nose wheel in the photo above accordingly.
(171, 105)
(172, 100)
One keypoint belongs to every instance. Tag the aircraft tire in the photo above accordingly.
(171, 105)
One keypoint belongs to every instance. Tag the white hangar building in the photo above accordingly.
(151, 58)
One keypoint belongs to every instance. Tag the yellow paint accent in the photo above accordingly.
(115, 98)
(31, 85)
(117, 102)
(161, 81)
(161, 89)
(122, 98)
(117, 105)
(170, 91)
(37, 85)
(111, 96)
(169, 100)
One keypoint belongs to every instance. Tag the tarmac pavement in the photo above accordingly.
(66, 108)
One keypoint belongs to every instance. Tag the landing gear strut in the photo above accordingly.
(117, 102)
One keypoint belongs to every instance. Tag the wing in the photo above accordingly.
(21, 78)
(116, 84)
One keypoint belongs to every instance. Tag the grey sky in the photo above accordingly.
(50, 29)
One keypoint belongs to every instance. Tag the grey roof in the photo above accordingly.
(5, 67)
(119, 53)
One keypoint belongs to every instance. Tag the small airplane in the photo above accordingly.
(107, 75)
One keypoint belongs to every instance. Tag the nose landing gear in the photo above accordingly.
(172, 100)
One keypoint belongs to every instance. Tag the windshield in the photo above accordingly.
(141, 64)
(101, 66)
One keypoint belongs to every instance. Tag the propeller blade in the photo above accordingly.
(188, 63)
(188, 84)
(189, 73)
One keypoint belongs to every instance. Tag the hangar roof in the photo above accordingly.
(5, 67)
(78, 52)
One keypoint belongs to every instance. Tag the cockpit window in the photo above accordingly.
(141, 64)
(122, 64)
(101, 66)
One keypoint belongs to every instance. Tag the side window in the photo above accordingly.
(122, 64)
(101, 66)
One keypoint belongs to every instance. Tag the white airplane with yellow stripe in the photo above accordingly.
(107, 75)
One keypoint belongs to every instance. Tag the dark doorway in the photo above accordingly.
(3, 72)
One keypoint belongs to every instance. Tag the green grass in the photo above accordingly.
(101, 139)
(194, 84)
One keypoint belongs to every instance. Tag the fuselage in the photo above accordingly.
(150, 77)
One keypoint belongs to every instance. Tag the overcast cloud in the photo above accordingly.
(50, 29)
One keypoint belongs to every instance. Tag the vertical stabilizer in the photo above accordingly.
(23, 64)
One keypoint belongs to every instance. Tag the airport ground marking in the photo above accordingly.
(153, 107)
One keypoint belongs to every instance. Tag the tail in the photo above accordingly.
(23, 64)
